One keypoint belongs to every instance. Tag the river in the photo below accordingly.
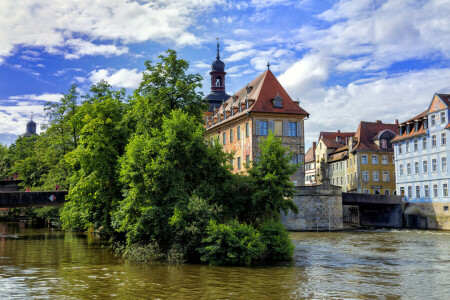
(382, 264)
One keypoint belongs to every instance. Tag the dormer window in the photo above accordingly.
(425, 123)
(400, 130)
(407, 129)
(277, 101)
(383, 144)
(416, 126)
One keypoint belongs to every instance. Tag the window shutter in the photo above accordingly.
(271, 125)
(285, 128)
(258, 126)
(299, 129)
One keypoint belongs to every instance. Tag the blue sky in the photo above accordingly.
(346, 61)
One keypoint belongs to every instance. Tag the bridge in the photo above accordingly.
(372, 210)
(26, 199)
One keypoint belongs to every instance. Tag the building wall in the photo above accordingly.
(310, 173)
(249, 146)
(414, 186)
(372, 186)
(337, 172)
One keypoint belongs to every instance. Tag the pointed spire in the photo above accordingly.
(218, 56)
(268, 66)
(31, 116)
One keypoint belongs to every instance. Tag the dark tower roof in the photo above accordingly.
(31, 128)
(218, 94)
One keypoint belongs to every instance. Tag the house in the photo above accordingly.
(310, 166)
(243, 120)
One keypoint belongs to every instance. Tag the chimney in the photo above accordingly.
(396, 122)
(314, 147)
(379, 122)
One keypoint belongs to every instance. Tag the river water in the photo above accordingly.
(382, 264)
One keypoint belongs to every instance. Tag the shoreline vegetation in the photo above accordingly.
(140, 173)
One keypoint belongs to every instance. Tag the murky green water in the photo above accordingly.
(45, 263)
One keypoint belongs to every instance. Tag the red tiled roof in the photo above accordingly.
(367, 131)
(338, 156)
(413, 132)
(309, 156)
(264, 89)
(329, 138)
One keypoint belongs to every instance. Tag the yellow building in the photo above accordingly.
(242, 121)
(368, 160)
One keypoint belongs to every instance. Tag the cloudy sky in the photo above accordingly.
(346, 61)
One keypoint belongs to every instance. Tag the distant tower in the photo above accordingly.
(31, 128)
(218, 94)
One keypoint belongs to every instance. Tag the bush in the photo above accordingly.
(276, 238)
(231, 244)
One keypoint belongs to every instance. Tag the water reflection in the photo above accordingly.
(357, 265)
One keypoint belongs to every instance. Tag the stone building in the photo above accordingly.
(242, 121)
(421, 152)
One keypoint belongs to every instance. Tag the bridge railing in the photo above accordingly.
(26, 199)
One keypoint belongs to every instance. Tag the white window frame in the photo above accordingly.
(375, 176)
(374, 159)
(364, 159)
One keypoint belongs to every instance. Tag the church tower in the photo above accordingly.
(31, 128)
(218, 94)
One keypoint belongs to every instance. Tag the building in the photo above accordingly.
(31, 129)
(327, 144)
(421, 151)
(310, 166)
(242, 121)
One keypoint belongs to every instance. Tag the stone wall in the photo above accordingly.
(319, 208)
(428, 215)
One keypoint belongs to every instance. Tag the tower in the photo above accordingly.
(31, 128)
(218, 94)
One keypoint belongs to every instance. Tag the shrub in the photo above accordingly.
(231, 244)
(276, 238)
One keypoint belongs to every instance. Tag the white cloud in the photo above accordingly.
(343, 107)
(233, 45)
(44, 97)
(99, 27)
(122, 78)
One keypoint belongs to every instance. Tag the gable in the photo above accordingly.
(436, 104)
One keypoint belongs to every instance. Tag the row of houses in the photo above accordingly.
(408, 158)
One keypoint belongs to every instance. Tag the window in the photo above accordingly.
(425, 124)
(408, 169)
(386, 176)
(364, 159)
(443, 139)
(444, 190)
(292, 129)
(426, 191)
(374, 159)
(365, 175)
(443, 163)
(433, 141)
(348, 179)
(393, 160)
(409, 191)
(264, 129)
(376, 192)
(416, 145)
(351, 178)
(342, 168)
(399, 148)
(355, 177)
(417, 191)
(342, 180)
(433, 120)
(239, 163)
(402, 191)
(443, 117)
(247, 160)
(333, 180)
(424, 143)
(231, 135)
(401, 170)
(332, 167)
(385, 160)
(416, 167)
(383, 143)
(239, 133)
(365, 191)
(375, 176)
(407, 147)
(387, 192)
(224, 138)
(247, 130)
(425, 166)
(433, 165)
(435, 190)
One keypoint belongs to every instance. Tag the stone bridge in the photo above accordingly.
(25, 199)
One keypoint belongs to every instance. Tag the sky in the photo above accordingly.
(346, 61)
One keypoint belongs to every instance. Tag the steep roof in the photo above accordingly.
(445, 98)
(309, 156)
(368, 131)
(339, 154)
(329, 138)
(413, 131)
(260, 92)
